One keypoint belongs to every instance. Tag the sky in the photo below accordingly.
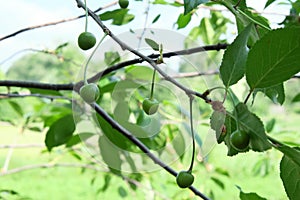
(18, 14)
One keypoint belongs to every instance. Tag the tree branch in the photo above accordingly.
(76, 86)
(51, 97)
(21, 146)
(124, 46)
(53, 23)
(141, 146)
(48, 165)
(37, 85)
(49, 52)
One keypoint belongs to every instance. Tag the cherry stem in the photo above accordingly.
(192, 131)
(152, 84)
(86, 16)
(89, 59)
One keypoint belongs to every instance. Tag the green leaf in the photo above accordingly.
(141, 73)
(107, 179)
(222, 172)
(231, 126)
(152, 44)
(111, 57)
(289, 173)
(11, 115)
(108, 87)
(218, 182)
(44, 92)
(60, 132)
(292, 153)
(109, 152)
(113, 135)
(119, 16)
(233, 65)
(270, 125)
(122, 192)
(253, 125)
(178, 143)
(183, 20)
(275, 93)
(17, 108)
(210, 28)
(250, 196)
(60, 47)
(296, 98)
(190, 5)
(271, 60)
(156, 19)
(76, 139)
(217, 121)
(246, 17)
(269, 2)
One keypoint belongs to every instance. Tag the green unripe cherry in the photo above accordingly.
(184, 179)
(123, 3)
(150, 106)
(86, 40)
(239, 140)
(89, 92)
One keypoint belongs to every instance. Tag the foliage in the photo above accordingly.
(260, 59)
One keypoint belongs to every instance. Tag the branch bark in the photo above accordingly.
(52, 23)
(124, 46)
(141, 146)
(76, 86)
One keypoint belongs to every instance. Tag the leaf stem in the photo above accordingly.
(253, 20)
(86, 16)
(89, 59)
(193, 135)
(152, 84)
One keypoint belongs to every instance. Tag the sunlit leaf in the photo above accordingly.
(271, 60)
(233, 65)
(183, 20)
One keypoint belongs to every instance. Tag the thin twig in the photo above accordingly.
(49, 52)
(53, 23)
(195, 74)
(48, 165)
(145, 24)
(21, 146)
(51, 97)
